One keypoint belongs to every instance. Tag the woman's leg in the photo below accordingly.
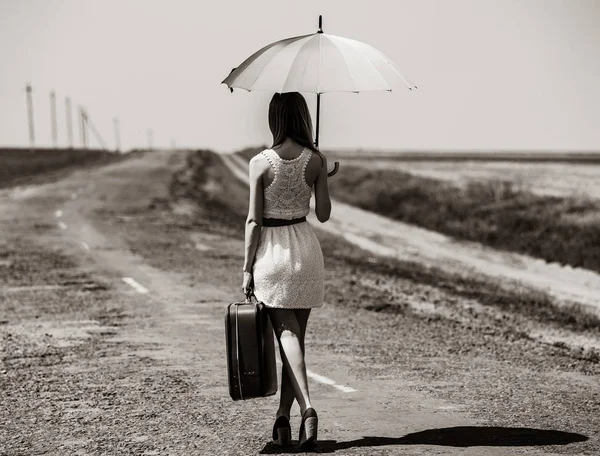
(287, 394)
(290, 334)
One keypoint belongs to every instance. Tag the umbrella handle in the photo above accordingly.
(336, 167)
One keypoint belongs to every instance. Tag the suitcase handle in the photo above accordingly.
(249, 294)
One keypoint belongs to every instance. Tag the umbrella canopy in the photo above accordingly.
(316, 63)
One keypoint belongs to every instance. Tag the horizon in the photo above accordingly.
(350, 149)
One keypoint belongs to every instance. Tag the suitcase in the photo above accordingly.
(250, 350)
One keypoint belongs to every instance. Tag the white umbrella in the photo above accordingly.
(316, 63)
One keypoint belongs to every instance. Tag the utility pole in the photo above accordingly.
(150, 138)
(83, 126)
(30, 117)
(53, 126)
(117, 134)
(69, 121)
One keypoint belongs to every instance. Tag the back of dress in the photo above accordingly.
(288, 196)
(288, 270)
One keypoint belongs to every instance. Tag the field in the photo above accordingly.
(542, 178)
(22, 165)
(494, 213)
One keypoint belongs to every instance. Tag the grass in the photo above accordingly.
(493, 213)
(18, 166)
(209, 182)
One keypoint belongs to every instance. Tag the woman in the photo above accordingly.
(284, 263)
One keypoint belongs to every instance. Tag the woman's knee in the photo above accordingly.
(285, 323)
(289, 336)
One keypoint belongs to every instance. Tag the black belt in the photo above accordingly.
(282, 222)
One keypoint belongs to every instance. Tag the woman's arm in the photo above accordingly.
(255, 209)
(322, 199)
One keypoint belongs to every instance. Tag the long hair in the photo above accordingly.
(289, 117)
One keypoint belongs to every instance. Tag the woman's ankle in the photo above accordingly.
(303, 410)
(281, 412)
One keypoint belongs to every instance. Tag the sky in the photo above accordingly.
(510, 74)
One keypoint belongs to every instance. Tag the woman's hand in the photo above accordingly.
(247, 283)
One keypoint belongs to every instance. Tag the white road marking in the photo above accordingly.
(322, 379)
(327, 381)
(345, 389)
(135, 285)
(62, 225)
(58, 213)
(85, 246)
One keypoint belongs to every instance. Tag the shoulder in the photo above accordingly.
(259, 163)
(259, 159)
(317, 161)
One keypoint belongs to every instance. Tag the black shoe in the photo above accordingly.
(308, 429)
(282, 432)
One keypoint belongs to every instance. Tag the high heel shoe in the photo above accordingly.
(308, 429)
(282, 432)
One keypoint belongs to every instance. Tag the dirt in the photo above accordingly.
(90, 366)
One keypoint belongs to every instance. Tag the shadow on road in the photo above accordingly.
(462, 436)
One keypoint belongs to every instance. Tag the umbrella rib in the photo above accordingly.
(292, 65)
(279, 52)
(347, 65)
(252, 59)
(351, 44)
(379, 54)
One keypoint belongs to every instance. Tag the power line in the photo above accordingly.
(94, 131)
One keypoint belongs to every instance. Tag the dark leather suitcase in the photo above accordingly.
(250, 351)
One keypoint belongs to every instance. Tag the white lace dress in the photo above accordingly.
(288, 267)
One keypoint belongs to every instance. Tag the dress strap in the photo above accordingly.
(272, 158)
(305, 162)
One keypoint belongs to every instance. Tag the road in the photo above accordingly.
(112, 306)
